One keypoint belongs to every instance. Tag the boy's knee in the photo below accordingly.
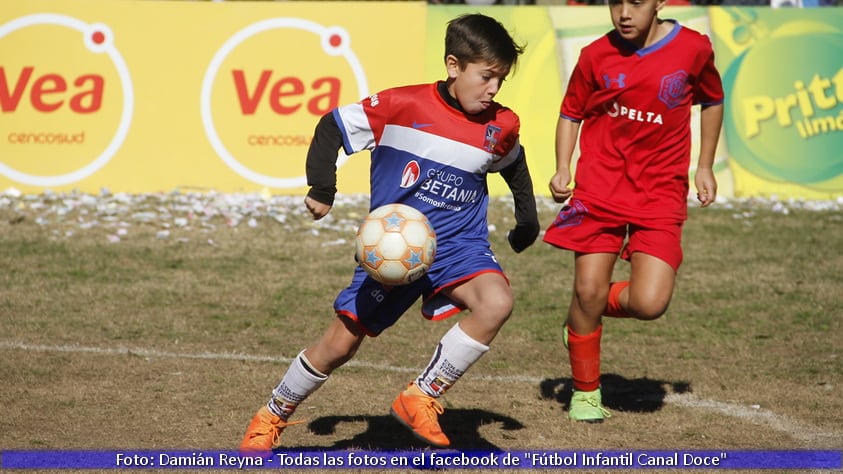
(590, 295)
(648, 310)
(497, 306)
(501, 308)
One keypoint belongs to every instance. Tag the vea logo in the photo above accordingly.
(66, 99)
(266, 88)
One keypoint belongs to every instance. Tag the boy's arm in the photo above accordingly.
(321, 166)
(711, 121)
(567, 131)
(517, 177)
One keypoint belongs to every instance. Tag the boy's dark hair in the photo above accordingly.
(475, 38)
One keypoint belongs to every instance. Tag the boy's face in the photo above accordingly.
(634, 19)
(474, 86)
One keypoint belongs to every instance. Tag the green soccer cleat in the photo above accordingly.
(565, 336)
(588, 407)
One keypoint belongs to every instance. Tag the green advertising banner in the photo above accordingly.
(783, 76)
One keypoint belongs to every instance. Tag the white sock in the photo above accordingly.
(454, 355)
(298, 383)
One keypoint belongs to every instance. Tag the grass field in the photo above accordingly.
(164, 321)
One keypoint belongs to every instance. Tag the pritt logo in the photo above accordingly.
(265, 89)
(66, 115)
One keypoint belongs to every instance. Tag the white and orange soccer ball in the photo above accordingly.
(395, 244)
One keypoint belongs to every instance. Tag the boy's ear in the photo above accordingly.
(452, 65)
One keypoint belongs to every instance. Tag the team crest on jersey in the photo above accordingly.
(672, 88)
(411, 174)
(493, 134)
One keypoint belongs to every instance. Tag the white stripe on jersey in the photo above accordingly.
(437, 149)
(358, 132)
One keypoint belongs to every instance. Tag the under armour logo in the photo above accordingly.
(608, 81)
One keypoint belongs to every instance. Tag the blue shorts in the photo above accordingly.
(375, 307)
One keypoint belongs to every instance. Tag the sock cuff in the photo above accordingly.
(308, 370)
(456, 335)
(574, 337)
(613, 305)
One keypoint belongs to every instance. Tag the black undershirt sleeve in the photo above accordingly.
(517, 177)
(321, 164)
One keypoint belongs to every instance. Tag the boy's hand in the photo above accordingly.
(317, 209)
(706, 186)
(559, 186)
(522, 235)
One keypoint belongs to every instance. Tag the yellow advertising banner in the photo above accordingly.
(147, 96)
(154, 96)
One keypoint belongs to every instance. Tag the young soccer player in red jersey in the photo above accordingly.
(632, 91)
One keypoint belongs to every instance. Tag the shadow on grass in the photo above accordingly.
(385, 433)
(642, 395)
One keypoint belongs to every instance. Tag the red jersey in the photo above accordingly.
(635, 105)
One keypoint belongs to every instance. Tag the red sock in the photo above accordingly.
(584, 354)
(613, 305)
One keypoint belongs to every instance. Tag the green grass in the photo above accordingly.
(755, 321)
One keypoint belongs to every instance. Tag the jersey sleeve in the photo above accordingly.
(362, 123)
(709, 87)
(578, 90)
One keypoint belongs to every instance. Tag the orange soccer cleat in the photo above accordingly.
(420, 412)
(264, 432)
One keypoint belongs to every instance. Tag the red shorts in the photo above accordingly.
(588, 229)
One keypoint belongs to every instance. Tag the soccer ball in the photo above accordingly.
(395, 244)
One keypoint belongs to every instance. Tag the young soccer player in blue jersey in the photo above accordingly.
(432, 146)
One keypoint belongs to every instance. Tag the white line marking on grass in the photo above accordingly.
(756, 416)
